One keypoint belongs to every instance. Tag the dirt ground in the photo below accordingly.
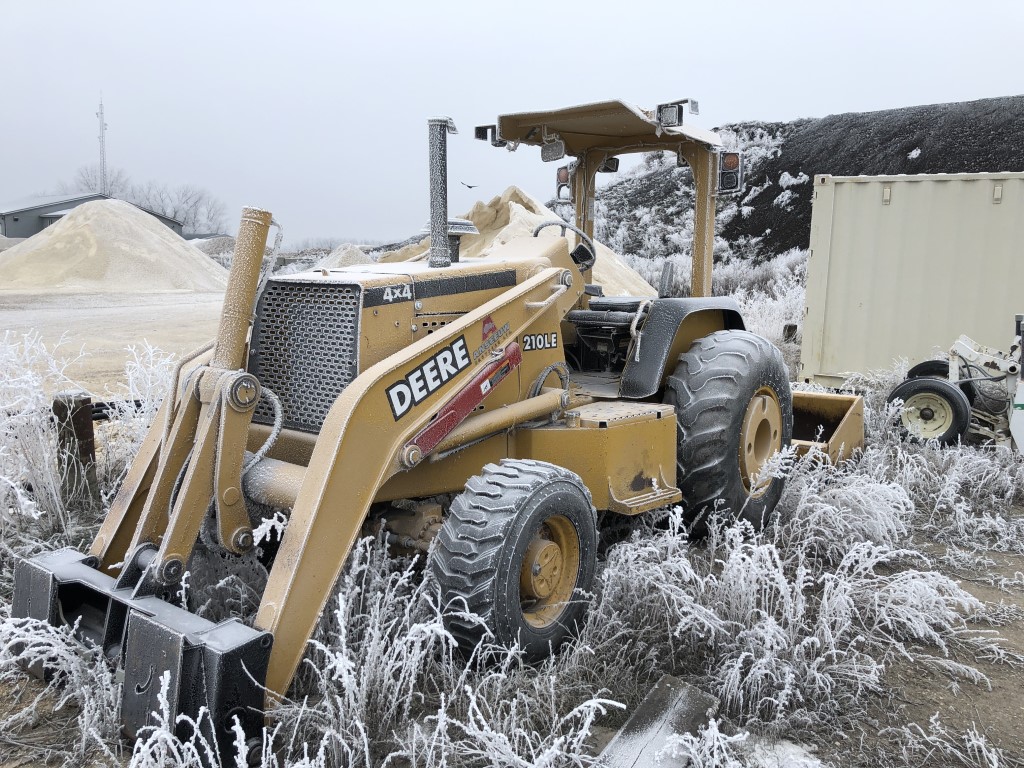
(996, 707)
(105, 325)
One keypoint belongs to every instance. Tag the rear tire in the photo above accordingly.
(939, 369)
(933, 409)
(734, 409)
(519, 549)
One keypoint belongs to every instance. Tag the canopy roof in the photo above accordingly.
(612, 125)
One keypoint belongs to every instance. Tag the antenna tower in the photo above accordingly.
(103, 150)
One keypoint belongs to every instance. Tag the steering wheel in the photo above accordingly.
(586, 241)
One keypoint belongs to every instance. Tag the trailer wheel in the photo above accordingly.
(734, 409)
(939, 369)
(519, 550)
(933, 409)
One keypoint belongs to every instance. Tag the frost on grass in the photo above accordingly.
(77, 709)
(32, 514)
(792, 628)
(913, 744)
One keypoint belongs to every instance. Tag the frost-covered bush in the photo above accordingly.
(29, 484)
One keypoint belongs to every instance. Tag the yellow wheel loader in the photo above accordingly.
(483, 410)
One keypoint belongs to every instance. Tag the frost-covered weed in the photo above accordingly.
(384, 680)
(159, 746)
(29, 483)
(32, 513)
(133, 407)
(945, 746)
(81, 690)
(709, 748)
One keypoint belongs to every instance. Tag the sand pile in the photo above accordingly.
(345, 255)
(515, 214)
(108, 246)
(214, 246)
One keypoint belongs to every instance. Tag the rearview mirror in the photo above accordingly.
(610, 165)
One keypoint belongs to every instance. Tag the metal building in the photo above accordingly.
(31, 215)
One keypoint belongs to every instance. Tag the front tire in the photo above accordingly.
(734, 410)
(519, 549)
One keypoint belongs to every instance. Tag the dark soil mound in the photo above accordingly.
(966, 137)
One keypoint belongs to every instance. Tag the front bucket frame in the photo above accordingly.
(219, 668)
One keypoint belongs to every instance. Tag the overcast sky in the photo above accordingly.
(317, 111)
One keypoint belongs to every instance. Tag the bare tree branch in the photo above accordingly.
(196, 209)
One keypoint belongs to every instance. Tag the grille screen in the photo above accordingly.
(305, 348)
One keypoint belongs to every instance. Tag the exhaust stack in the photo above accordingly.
(438, 129)
(240, 298)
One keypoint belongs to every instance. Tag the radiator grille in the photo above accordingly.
(305, 348)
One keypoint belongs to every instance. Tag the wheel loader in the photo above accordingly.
(483, 410)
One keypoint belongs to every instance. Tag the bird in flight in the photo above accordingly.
(469, 186)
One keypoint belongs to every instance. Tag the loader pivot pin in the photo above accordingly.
(411, 456)
(244, 392)
(242, 539)
(172, 570)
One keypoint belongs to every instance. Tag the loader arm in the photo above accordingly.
(118, 533)
(346, 470)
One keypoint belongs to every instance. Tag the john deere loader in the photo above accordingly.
(483, 411)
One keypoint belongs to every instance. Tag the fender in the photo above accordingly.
(672, 325)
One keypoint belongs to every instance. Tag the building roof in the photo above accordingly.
(37, 201)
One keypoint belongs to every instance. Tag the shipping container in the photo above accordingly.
(900, 266)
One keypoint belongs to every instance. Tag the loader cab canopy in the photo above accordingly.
(595, 134)
(612, 126)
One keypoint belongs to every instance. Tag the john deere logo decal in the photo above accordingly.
(428, 377)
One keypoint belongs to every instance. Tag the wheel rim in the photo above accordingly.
(550, 569)
(927, 415)
(760, 437)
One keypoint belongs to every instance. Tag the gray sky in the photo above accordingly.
(317, 111)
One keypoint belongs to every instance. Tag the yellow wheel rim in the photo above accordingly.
(760, 438)
(548, 576)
